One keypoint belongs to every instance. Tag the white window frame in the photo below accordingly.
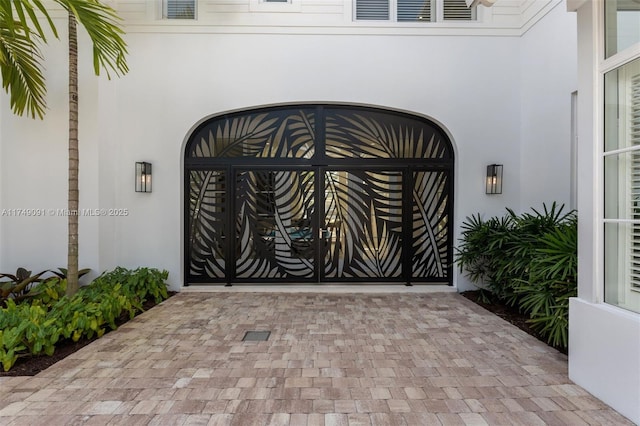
(437, 6)
(574, 151)
(628, 296)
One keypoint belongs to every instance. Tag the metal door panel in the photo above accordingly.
(207, 224)
(362, 223)
(273, 231)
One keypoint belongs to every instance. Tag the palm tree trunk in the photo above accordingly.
(72, 251)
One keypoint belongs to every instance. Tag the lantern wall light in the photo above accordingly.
(494, 179)
(143, 177)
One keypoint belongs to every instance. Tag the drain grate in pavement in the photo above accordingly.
(256, 336)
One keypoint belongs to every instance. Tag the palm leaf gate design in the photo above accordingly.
(321, 193)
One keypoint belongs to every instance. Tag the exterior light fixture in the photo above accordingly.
(494, 179)
(143, 177)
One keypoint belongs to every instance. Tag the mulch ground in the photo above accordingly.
(31, 365)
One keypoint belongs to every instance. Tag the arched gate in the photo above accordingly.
(318, 193)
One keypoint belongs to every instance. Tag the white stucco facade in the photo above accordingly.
(479, 80)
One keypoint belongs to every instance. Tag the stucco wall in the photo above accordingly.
(226, 72)
(548, 77)
(33, 176)
(472, 85)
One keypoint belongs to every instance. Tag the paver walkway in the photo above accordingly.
(331, 359)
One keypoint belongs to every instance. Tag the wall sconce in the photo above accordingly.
(494, 179)
(143, 177)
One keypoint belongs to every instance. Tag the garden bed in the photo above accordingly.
(40, 324)
(30, 365)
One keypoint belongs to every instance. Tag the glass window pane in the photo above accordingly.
(622, 107)
(374, 10)
(622, 25)
(622, 186)
(457, 10)
(414, 10)
(180, 9)
(622, 265)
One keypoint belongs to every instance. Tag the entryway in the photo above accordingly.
(318, 193)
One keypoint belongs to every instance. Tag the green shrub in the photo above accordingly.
(528, 261)
(481, 253)
(141, 284)
(35, 325)
(17, 286)
(22, 285)
(88, 313)
(25, 328)
(553, 278)
(48, 291)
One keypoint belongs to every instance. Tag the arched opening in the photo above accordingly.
(318, 193)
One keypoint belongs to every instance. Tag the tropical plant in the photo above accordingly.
(140, 284)
(20, 32)
(527, 260)
(481, 253)
(25, 327)
(36, 327)
(18, 285)
(20, 57)
(62, 272)
(23, 285)
(47, 291)
(553, 277)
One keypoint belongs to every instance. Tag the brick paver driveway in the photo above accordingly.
(332, 359)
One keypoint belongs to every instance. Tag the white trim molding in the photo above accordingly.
(573, 5)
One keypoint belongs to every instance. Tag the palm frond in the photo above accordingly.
(21, 70)
(102, 24)
(26, 17)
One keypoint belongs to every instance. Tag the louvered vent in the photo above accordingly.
(180, 9)
(414, 10)
(634, 134)
(457, 10)
(372, 10)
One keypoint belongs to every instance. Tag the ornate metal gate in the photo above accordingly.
(320, 193)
